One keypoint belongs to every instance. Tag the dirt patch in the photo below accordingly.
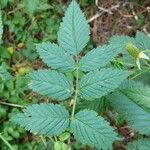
(111, 17)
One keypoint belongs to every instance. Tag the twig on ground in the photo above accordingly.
(133, 12)
(103, 11)
(94, 17)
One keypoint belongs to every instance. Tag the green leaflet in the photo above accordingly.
(121, 40)
(74, 31)
(55, 57)
(137, 92)
(91, 129)
(99, 57)
(48, 119)
(1, 27)
(140, 144)
(98, 105)
(50, 83)
(99, 83)
(4, 74)
(137, 117)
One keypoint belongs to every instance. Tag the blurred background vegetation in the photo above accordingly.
(27, 22)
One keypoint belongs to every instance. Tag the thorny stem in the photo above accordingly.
(5, 141)
(76, 90)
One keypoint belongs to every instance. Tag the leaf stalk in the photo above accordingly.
(76, 90)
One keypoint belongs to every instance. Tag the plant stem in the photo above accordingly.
(76, 91)
(10, 104)
(55, 137)
(51, 139)
(5, 141)
(43, 140)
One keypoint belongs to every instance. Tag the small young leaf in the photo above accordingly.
(50, 83)
(55, 57)
(99, 57)
(91, 129)
(64, 136)
(64, 146)
(99, 83)
(73, 34)
(137, 117)
(140, 144)
(48, 119)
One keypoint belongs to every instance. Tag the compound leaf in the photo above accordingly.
(140, 144)
(137, 92)
(48, 119)
(137, 117)
(99, 83)
(55, 57)
(50, 83)
(74, 31)
(91, 129)
(99, 57)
